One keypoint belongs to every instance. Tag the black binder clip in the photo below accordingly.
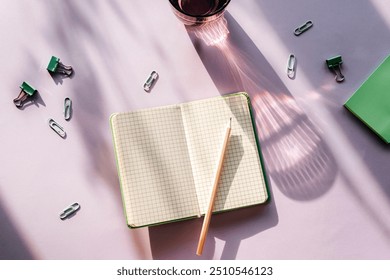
(334, 64)
(55, 66)
(26, 93)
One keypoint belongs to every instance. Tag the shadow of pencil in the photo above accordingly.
(164, 240)
(232, 226)
(238, 225)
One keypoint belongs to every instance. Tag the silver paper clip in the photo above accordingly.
(70, 210)
(291, 66)
(67, 108)
(303, 28)
(57, 128)
(150, 81)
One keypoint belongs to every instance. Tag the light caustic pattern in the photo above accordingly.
(213, 33)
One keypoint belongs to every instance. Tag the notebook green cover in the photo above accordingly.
(371, 102)
(167, 156)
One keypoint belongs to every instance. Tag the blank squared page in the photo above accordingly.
(242, 180)
(154, 166)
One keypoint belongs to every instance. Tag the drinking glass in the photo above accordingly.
(198, 12)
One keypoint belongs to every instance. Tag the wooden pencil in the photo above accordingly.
(207, 217)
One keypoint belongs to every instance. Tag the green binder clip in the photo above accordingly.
(334, 64)
(27, 91)
(55, 66)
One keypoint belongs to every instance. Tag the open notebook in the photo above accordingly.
(167, 158)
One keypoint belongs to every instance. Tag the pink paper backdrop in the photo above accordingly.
(329, 174)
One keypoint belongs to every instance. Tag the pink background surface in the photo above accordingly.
(329, 174)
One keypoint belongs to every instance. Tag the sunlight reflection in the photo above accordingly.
(383, 8)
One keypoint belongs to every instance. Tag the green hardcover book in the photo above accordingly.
(167, 157)
(371, 102)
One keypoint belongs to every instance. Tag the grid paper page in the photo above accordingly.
(242, 181)
(154, 166)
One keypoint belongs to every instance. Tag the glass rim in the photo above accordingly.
(198, 16)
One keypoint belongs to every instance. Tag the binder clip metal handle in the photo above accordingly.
(26, 92)
(339, 76)
(55, 66)
(334, 64)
